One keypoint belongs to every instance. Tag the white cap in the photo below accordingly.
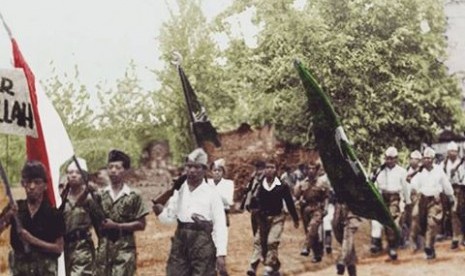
(429, 152)
(82, 164)
(198, 156)
(391, 152)
(452, 146)
(415, 154)
(219, 163)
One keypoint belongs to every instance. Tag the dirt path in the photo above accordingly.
(448, 262)
(153, 247)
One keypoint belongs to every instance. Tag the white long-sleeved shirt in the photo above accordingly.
(203, 200)
(432, 183)
(459, 174)
(394, 181)
(226, 190)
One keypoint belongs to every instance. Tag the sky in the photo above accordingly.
(101, 37)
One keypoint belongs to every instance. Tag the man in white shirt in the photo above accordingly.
(392, 184)
(428, 211)
(455, 170)
(200, 242)
(406, 220)
(225, 187)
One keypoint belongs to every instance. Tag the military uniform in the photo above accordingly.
(47, 224)
(427, 212)
(345, 224)
(79, 247)
(392, 183)
(314, 193)
(453, 218)
(116, 252)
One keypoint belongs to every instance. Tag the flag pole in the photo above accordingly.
(177, 60)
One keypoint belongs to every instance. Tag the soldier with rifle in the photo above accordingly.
(428, 210)
(271, 193)
(125, 213)
(249, 201)
(37, 227)
(453, 215)
(413, 168)
(200, 242)
(80, 212)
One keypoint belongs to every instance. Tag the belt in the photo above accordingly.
(78, 234)
(203, 226)
(114, 235)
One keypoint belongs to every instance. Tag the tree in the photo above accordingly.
(385, 76)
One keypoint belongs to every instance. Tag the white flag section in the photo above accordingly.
(58, 146)
(57, 142)
(16, 115)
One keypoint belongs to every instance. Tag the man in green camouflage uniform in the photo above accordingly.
(313, 193)
(79, 212)
(125, 213)
(42, 227)
(345, 224)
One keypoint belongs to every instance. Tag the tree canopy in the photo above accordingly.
(382, 63)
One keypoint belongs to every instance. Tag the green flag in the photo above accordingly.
(346, 174)
(202, 128)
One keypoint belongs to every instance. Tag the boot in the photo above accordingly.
(352, 270)
(376, 245)
(454, 245)
(392, 254)
(340, 268)
(252, 271)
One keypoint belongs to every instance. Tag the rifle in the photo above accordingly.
(454, 170)
(377, 172)
(410, 176)
(96, 217)
(19, 225)
(165, 196)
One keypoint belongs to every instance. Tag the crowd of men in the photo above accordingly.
(426, 201)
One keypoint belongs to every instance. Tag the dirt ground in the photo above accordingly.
(154, 245)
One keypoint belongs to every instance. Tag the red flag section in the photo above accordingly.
(52, 146)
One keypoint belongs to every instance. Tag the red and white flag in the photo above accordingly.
(52, 147)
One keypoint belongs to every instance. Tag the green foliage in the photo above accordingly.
(385, 76)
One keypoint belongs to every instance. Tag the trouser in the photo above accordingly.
(426, 219)
(79, 257)
(116, 257)
(344, 225)
(193, 253)
(327, 220)
(267, 239)
(314, 235)
(446, 223)
(33, 264)
(392, 201)
(458, 213)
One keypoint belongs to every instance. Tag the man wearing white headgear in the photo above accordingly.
(427, 212)
(413, 168)
(392, 183)
(80, 212)
(225, 187)
(200, 242)
(453, 166)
